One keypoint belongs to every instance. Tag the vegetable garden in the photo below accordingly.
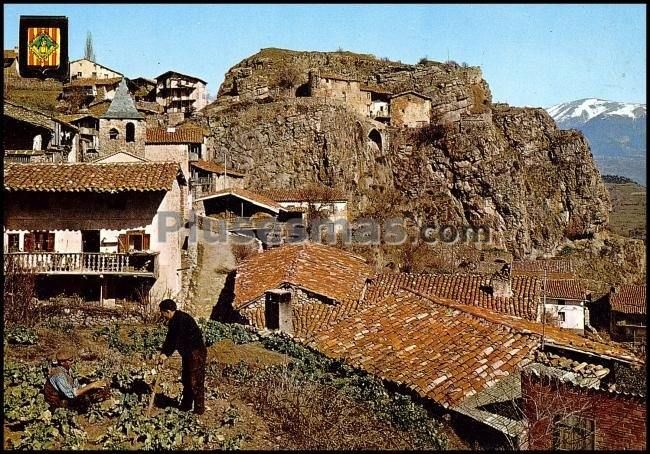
(295, 398)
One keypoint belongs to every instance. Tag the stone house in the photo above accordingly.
(37, 136)
(327, 202)
(379, 108)
(11, 63)
(564, 414)
(122, 127)
(299, 288)
(340, 88)
(88, 125)
(180, 93)
(83, 92)
(88, 69)
(410, 109)
(628, 309)
(106, 232)
(464, 360)
(565, 303)
(208, 177)
(180, 145)
(143, 89)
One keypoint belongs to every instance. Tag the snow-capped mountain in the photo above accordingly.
(616, 132)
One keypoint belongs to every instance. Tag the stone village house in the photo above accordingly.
(180, 94)
(465, 357)
(88, 69)
(34, 136)
(627, 314)
(95, 229)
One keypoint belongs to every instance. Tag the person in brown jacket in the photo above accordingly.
(62, 389)
(184, 335)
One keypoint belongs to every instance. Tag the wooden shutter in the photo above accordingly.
(49, 245)
(145, 242)
(122, 243)
(28, 245)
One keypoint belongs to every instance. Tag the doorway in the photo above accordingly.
(90, 241)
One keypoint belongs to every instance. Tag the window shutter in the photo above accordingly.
(28, 245)
(145, 242)
(122, 244)
(49, 246)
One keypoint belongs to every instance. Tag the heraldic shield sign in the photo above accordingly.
(43, 49)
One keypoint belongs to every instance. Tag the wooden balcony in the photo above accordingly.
(143, 264)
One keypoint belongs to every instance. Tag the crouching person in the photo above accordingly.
(62, 389)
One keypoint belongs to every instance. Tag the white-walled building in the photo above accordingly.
(106, 232)
(564, 303)
(88, 69)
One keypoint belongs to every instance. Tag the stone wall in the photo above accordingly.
(108, 146)
(348, 91)
(410, 110)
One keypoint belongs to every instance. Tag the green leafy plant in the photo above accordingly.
(21, 335)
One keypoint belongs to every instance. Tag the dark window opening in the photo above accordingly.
(130, 132)
(572, 432)
(13, 242)
(134, 241)
(113, 134)
(375, 136)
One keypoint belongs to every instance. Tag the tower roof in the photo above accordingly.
(122, 106)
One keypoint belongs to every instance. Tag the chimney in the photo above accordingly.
(277, 310)
(171, 129)
(500, 282)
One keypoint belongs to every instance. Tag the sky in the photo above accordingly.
(530, 55)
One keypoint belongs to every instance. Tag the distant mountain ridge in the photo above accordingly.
(616, 132)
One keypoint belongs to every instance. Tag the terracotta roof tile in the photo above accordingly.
(179, 135)
(9, 54)
(629, 299)
(322, 194)
(442, 349)
(555, 269)
(83, 177)
(32, 116)
(89, 82)
(466, 289)
(572, 289)
(324, 270)
(211, 166)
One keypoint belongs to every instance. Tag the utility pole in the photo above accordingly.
(225, 156)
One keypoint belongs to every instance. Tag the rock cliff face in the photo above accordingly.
(478, 163)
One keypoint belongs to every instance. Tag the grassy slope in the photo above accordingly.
(629, 209)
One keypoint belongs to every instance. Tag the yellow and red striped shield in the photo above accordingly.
(43, 44)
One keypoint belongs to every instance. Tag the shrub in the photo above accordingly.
(21, 335)
(242, 251)
(20, 306)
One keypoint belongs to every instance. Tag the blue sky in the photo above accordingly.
(531, 55)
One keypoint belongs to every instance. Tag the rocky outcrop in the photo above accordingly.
(505, 168)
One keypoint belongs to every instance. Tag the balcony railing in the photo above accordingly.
(133, 263)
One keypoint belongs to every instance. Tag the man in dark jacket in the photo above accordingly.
(184, 335)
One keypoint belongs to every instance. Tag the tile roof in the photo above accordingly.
(89, 177)
(245, 194)
(321, 194)
(464, 288)
(149, 106)
(555, 269)
(324, 270)
(32, 116)
(10, 54)
(441, 349)
(211, 166)
(122, 106)
(178, 136)
(572, 289)
(629, 299)
(91, 81)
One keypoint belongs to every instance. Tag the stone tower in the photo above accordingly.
(122, 127)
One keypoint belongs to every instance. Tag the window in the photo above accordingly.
(79, 74)
(95, 74)
(39, 241)
(113, 134)
(561, 316)
(572, 432)
(130, 132)
(135, 240)
(13, 242)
